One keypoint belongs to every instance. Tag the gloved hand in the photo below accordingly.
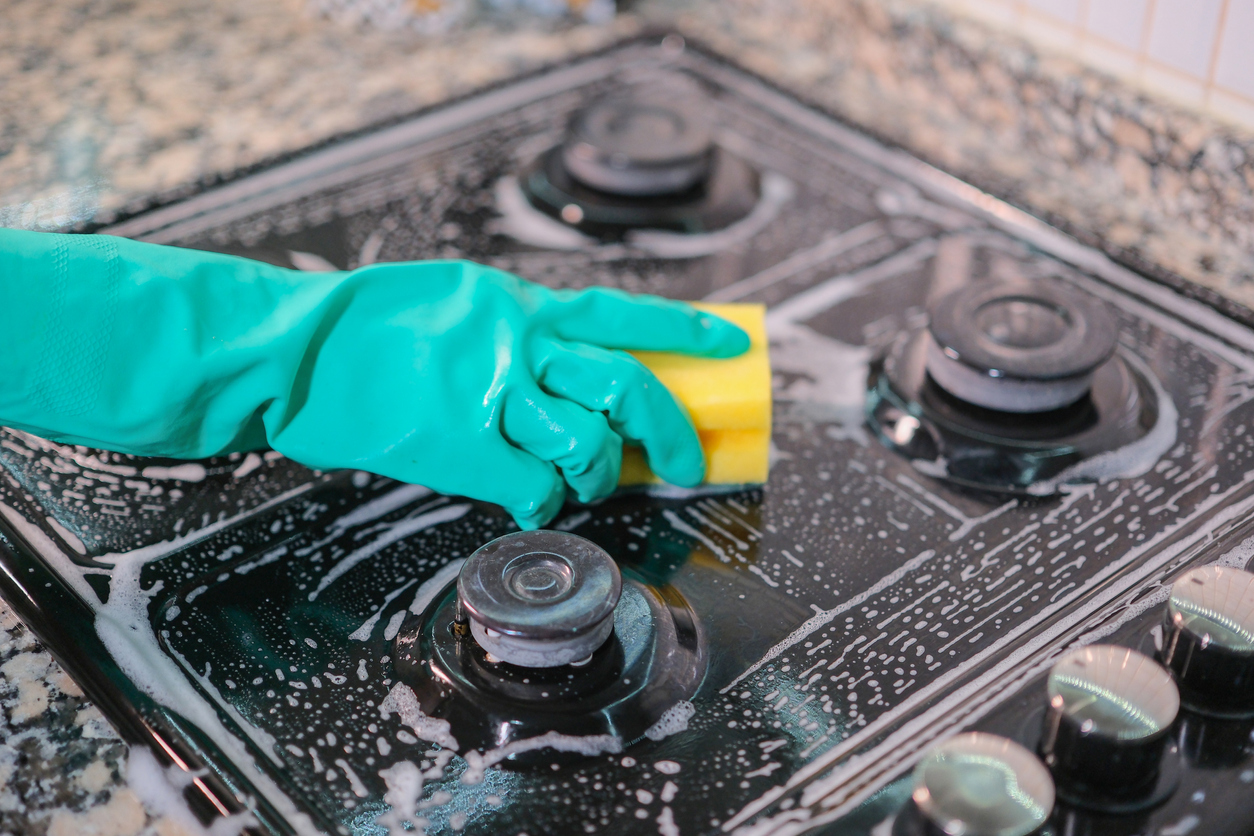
(448, 374)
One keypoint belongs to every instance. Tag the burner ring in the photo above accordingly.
(655, 656)
(539, 598)
(1018, 347)
(640, 144)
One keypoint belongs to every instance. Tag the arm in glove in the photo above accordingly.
(449, 374)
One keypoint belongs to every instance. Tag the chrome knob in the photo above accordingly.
(539, 599)
(979, 784)
(1110, 712)
(1209, 642)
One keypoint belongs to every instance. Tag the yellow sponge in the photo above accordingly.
(729, 401)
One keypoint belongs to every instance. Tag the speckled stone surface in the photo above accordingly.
(105, 103)
(61, 763)
(1132, 174)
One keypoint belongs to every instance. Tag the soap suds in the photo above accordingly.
(359, 789)
(161, 790)
(673, 721)
(123, 627)
(394, 626)
(521, 221)
(375, 508)
(251, 462)
(1133, 459)
(403, 702)
(432, 586)
(363, 632)
(477, 763)
(399, 531)
(70, 538)
(404, 782)
(190, 472)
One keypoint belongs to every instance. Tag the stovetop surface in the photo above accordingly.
(242, 610)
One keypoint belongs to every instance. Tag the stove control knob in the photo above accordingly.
(539, 599)
(1106, 728)
(978, 784)
(1209, 640)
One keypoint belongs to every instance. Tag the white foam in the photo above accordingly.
(404, 782)
(1133, 459)
(358, 788)
(70, 538)
(262, 739)
(123, 627)
(432, 586)
(66, 451)
(311, 262)
(777, 191)
(527, 224)
(822, 618)
(394, 625)
(523, 222)
(477, 763)
(666, 823)
(375, 508)
(69, 571)
(251, 462)
(400, 530)
(161, 791)
(1239, 556)
(673, 721)
(363, 632)
(403, 702)
(831, 375)
(190, 472)
(266, 559)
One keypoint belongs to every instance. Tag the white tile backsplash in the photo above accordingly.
(1198, 52)
(1122, 22)
(1067, 11)
(1183, 32)
(1234, 68)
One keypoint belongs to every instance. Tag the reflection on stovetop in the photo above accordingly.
(854, 609)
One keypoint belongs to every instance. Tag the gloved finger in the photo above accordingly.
(639, 407)
(531, 490)
(614, 319)
(579, 442)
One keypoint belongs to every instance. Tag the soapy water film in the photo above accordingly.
(259, 599)
(359, 552)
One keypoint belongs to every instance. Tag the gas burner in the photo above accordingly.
(540, 634)
(1023, 348)
(1014, 387)
(643, 158)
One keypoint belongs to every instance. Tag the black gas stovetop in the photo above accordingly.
(912, 569)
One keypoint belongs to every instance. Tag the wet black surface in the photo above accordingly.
(853, 605)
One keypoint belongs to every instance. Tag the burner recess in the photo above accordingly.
(540, 635)
(1013, 387)
(643, 158)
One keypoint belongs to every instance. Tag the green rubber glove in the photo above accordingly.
(447, 374)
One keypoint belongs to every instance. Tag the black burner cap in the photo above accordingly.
(1036, 330)
(646, 141)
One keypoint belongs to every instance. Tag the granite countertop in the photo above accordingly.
(106, 103)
